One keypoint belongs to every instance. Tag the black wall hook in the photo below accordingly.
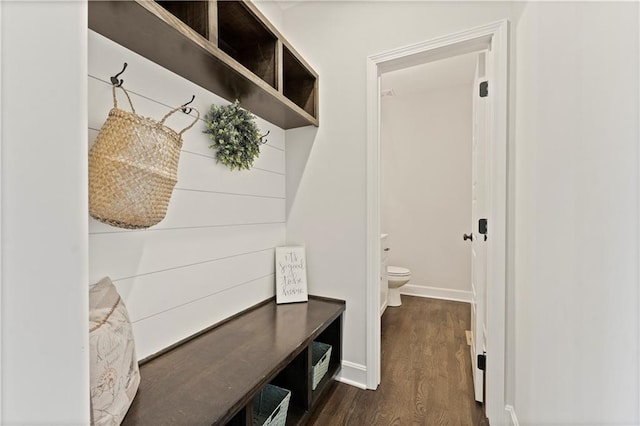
(114, 79)
(262, 138)
(188, 110)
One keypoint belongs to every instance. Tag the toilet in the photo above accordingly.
(397, 277)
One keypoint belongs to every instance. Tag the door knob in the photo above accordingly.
(467, 237)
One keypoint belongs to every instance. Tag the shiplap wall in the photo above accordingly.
(212, 256)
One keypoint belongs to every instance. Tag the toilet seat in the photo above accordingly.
(398, 271)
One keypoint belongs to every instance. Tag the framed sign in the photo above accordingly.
(291, 275)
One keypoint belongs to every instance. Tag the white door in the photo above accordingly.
(481, 117)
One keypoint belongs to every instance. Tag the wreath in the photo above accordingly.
(234, 134)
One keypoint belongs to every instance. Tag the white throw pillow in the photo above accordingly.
(114, 368)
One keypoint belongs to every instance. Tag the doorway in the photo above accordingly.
(432, 125)
(492, 38)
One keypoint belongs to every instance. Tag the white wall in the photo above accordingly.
(272, 10)
(577, 214)
(576, 172)
(577, 133)
(328, 209)
(426, 187)
(212, 255)
(45, 376)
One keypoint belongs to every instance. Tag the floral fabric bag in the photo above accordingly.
(114, 373)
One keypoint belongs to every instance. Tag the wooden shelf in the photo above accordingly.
(227, 47)
(213, 377)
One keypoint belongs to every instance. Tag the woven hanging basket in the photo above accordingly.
(133, 168)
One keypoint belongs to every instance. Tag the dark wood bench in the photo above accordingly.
(211, 378)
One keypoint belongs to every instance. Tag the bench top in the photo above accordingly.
(210, 377)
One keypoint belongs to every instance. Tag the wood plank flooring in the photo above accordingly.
(426, 372)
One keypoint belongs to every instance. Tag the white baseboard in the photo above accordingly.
(353, 374)
(512, 412)
(384, 308)
(436, 293)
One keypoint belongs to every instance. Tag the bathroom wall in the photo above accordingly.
(426, 187)
(212, 256)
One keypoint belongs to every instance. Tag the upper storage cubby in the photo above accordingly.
(193, 13)
(300, 84)
(247, 40)
(228, 47)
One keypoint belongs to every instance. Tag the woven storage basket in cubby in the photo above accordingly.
(320, 357)
(270, 406)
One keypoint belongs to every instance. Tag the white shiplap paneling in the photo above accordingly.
(271, 157)
(212, 255)
(150, 294)
(160, 331)
(196, 209)
(129, 253)
(201, 172)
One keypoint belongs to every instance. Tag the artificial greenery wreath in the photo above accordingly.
(234, 134)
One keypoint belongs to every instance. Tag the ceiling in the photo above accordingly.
(449, 72)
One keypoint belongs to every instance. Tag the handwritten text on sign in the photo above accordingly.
(291, 275)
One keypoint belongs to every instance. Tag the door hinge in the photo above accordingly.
(484, 89)
(482, 228)
(482, 361)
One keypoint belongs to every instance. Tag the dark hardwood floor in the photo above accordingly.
(426, 372)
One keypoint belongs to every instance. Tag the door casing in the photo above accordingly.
(495, 37)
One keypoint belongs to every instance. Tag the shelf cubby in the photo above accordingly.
(247, 40)
(294, 378)
(195, 14)
(300, 84)
(332, 335)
